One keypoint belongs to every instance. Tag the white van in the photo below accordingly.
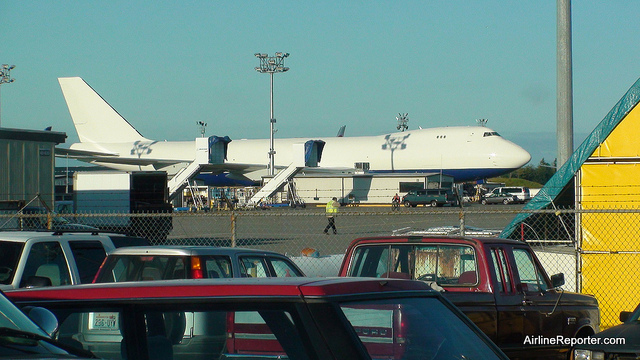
(522, 193)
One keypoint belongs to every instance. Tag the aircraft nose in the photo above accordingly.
(516, 157)
(512, 156)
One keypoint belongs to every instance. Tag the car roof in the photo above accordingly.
(176, 250)
(442, 239)
(24, 236)
(243, 287)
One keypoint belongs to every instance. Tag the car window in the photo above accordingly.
(283, 268)
(370, 261)
(429, 328)
(88, 255)
(47, 261)
(530, 276)
(218, 266)
(177, 331)
(136, 268)
(9, 256)
(251, 266)
(448, 265)
(499, 260)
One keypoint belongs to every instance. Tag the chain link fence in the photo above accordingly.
(597, 250)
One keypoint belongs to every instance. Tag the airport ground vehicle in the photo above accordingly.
(192, 262)
(431, 197)
(22, 338)
(619, 342)
(499, 284)
(46, 258)
(522, 193)
(294, 318)
(503, 198)
(137, 192)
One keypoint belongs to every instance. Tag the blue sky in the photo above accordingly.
(167, 65)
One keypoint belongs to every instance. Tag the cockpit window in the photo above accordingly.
(490, 133)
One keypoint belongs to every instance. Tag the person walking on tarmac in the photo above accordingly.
(332, 211)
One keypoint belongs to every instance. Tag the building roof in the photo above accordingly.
(33, 135)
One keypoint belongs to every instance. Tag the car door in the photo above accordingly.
(510, 333)
(543, 316)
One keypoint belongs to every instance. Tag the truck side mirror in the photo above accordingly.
(625, 315)
(557, 280)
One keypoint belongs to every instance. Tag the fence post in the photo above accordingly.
(233, 229)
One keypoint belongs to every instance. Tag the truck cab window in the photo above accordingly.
(502, 270)
(530, 276)
(451, 265)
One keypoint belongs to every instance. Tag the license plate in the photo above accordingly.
(103, 321)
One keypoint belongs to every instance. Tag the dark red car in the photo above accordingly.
(271, 318)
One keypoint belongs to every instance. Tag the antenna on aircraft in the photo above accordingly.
(403, 119)
(203, 127)
(482, 122)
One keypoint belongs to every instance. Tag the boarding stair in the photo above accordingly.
(276, 183)
(180, 180)
(306, 154)
(208, 151)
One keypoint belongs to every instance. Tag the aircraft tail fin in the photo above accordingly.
(95, 120)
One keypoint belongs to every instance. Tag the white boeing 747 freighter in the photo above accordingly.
(464, 152)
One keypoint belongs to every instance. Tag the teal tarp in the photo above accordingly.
(564, 176)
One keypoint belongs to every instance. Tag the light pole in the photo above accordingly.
(271, 65)
(5, 78)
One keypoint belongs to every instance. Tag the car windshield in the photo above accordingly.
(429, 329)
(9, 256)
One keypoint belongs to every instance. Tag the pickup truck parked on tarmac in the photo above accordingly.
(499, 284)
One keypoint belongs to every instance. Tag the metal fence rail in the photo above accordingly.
(597, 250)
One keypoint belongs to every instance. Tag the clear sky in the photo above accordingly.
(165, 65)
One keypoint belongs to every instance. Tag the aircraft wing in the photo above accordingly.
(82, 153)
(108, 157)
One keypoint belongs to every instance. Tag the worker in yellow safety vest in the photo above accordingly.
(331, 212)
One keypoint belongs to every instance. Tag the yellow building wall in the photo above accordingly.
(613, 277)
(624, 140)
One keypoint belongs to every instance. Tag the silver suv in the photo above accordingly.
(52, 258)
(521, 193)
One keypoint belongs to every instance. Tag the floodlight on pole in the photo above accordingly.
(271, 65)
(203, 127)
(5, 78)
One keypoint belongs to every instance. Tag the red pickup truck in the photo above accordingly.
(499, 284)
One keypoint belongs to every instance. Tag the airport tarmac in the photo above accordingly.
(289, 231)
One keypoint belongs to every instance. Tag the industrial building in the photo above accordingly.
(27, 160)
